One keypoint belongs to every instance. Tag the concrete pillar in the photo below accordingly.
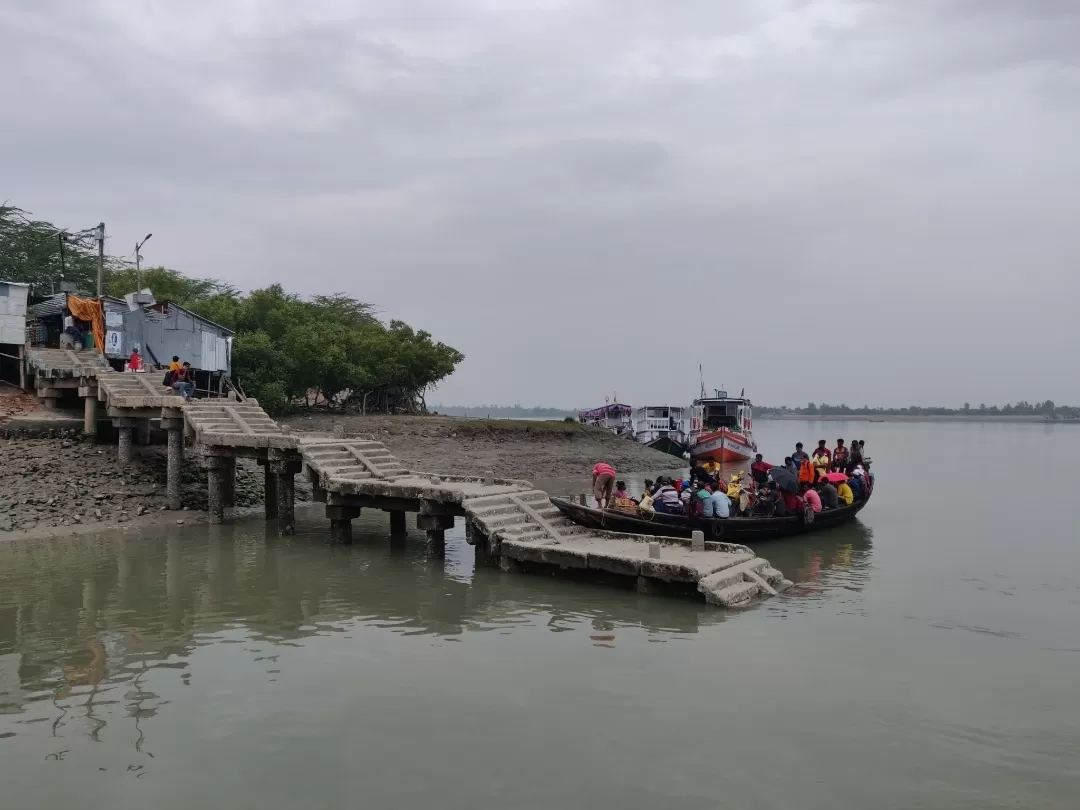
(215, 488)
(435, 525)
(436, 542)
(398, 526)
(341, 531)
(49, 403)
(22, 368)
(124, 455)
(286, 501)
(89, 427)
(229, 473)
(269, 493)
(175, 465)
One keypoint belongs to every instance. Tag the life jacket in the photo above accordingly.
(806, 472)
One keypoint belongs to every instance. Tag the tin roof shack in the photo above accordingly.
(166, 329)
(12, 328)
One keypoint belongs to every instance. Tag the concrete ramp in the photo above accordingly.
(230, 423)
(136, 391)
(526, 527)
(66, 363)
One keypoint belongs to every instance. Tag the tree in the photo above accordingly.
(42, 254)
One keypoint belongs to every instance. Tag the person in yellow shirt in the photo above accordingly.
(175, 366)
(844, 493)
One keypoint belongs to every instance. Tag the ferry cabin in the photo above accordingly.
(658, 421)
(614, 417)
(710, 414)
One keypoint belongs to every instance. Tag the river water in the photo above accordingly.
(929, 656)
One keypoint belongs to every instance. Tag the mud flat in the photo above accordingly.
(507, 448)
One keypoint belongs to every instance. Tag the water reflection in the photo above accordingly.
(85, 620)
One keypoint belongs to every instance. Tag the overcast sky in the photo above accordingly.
(871, 202)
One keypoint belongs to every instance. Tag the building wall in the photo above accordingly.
(179, 333)
(13, 313)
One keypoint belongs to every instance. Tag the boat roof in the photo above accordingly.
(708, 400)
(605, 408)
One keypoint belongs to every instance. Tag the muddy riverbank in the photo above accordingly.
(60, 484)
(509, 448)
(52, 485)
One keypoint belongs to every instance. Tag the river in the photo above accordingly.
(926, 657)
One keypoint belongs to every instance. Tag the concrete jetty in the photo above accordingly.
(509, 522)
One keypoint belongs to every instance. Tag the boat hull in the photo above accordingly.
(722, 446)
(735, 530)
(669, 445)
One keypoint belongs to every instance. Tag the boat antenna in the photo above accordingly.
(701, 374)
(742, 393)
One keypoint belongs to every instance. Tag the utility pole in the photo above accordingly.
(100, 257)
(138, 268)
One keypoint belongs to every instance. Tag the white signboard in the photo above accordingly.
(113, 342)
(114, 319)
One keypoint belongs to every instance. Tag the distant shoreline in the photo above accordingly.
(1034, 418)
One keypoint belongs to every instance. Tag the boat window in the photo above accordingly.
(718, 416)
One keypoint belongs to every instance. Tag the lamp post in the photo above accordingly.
(138, 268)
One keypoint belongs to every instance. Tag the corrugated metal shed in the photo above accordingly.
(53, 305)
(13, 312)
(166, 329)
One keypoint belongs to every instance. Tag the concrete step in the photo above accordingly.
(737, 595)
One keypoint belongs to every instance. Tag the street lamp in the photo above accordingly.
(138, 269)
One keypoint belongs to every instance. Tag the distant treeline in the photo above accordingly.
(504, 411)
(1021, 408)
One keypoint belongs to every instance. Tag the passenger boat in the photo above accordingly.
(661, 427)
(733, 529)
(613, 416)
(721, 428)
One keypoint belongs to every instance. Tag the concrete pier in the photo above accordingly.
(515, 527)
(511, 524)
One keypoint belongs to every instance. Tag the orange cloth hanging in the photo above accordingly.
(90, 310)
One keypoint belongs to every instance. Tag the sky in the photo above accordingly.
(815, 200)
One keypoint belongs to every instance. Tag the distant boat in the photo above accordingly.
(661, 427)
(877, 420)
(721, 428)
(613, 417)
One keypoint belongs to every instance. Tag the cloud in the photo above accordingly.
(818, 199)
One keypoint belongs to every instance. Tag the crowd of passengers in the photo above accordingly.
(828, 479)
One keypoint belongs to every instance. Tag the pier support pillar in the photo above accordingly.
(341, 518)
(435, 526)
(229, 473)
(436, 542)
(286, 503)
(341, 531)
(126, 430)
(284, 465)
(175, 432)
(90, 415)
(269, 492)
(398, 527)
(215, 488)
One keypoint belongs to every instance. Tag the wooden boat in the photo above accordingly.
(733, 530)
